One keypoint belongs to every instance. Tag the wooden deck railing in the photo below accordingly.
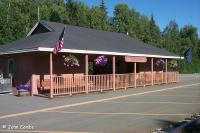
(120, 81)
(73, 84)
(147, 76)
(130, 80)
(158, 76)
(68, 85)
(100, 82)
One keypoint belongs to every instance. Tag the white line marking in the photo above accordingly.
(90, 102)
(190, 76)
(36, 131)
(186, 96)
(118, 113)
(153, 103)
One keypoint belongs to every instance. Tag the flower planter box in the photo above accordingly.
(24, 90)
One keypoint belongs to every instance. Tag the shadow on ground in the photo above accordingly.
(172, 126)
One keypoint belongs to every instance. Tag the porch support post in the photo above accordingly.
(166, 71)
(34, 79)
(152, 76)
(135, 74)
(86, 73)
(162, 77)
(51, 78)
(113, 71)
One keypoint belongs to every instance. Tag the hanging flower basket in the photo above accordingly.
(70, 61)
(101, 60)
(173, 64)
(160, 62)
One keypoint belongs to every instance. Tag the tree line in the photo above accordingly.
(17, 17)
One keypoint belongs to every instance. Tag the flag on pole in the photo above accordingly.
(59, 43)
(188, 56)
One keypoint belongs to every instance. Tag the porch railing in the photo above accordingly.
(100, 82)
(63, 85)
(73, 84)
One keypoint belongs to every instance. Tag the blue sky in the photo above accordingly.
(183, 11)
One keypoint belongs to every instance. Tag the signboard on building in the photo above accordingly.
(135, 59)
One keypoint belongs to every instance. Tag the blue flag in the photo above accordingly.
(188, 56)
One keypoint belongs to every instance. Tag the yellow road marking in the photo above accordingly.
(118, 113)
(153, 102)
(90, 102)
(36, 131)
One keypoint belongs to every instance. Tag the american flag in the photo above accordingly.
(59, 43)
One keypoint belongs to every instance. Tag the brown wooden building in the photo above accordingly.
(131, 63)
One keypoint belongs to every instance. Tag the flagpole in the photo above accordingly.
(57, 48)
(179, 65)
(38, 13)
(51, 76)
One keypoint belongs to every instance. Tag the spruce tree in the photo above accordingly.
(104, 16)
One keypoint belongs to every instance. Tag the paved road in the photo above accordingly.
(139, 110)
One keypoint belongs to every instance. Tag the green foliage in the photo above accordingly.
(102, 6)
(122, 18)
(198, 50)
(90, 67)
(156, 37)
(178, 41)
(78, 13)
(171, 37)
(98, 19)
(143, 29)
(17, 17)
(129, 21)
(15, 20)
(94, 18)
(190, 68)
(189, 38)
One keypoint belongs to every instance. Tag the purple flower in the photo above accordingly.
(101, 60)
(160, 62)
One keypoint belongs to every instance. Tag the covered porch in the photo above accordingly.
(135, 72)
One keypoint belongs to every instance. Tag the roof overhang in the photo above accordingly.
(19, 51)
(45, 49)
(107, 53)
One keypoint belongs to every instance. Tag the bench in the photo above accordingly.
(44, 84)
(78, 80)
